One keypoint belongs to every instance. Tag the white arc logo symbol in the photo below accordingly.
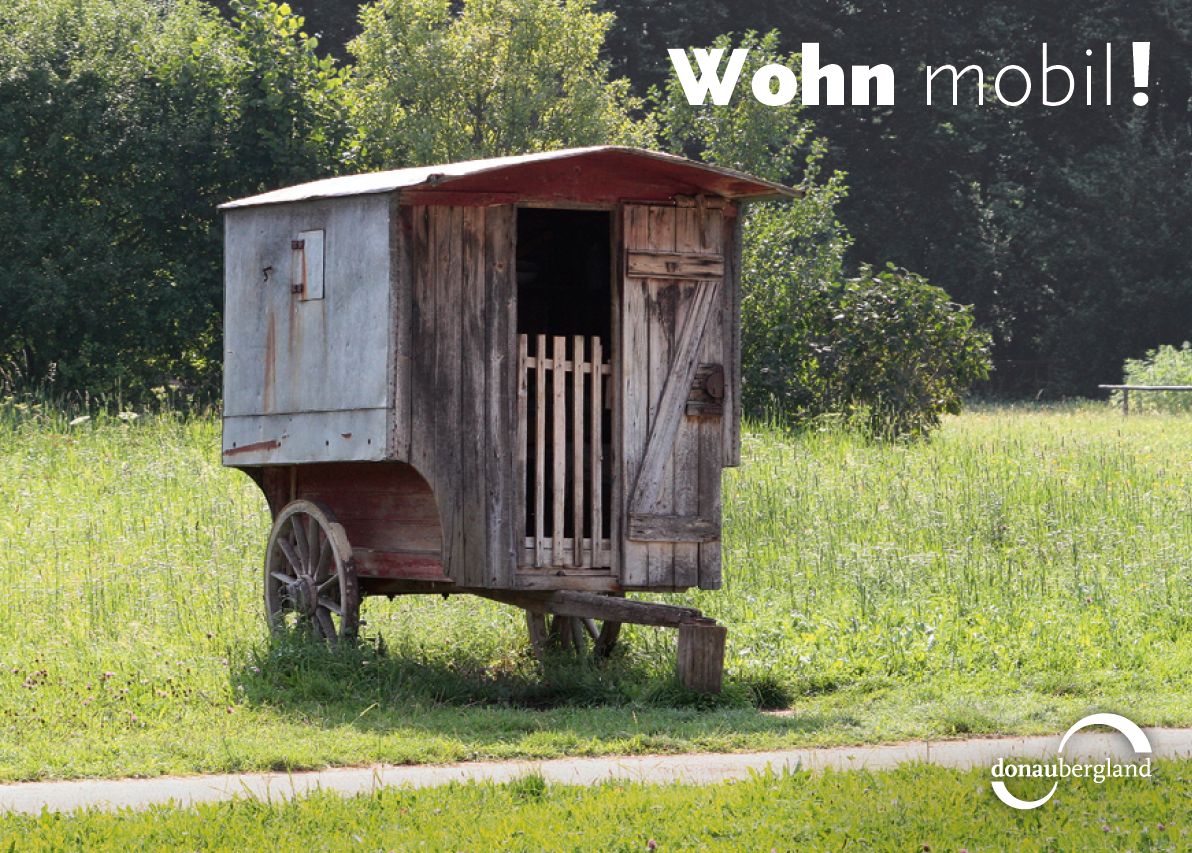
(1136, 736)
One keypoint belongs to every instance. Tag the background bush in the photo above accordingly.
(1166, 365)
(884, 348)
(122, 127)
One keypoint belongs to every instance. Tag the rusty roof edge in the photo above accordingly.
(438, 175)
(776, 190)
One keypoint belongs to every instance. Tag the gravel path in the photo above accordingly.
(695, 768)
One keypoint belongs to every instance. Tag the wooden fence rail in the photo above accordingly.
(1126, 389)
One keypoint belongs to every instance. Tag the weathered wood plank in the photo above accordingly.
(523, 439)
(558, 447)
(700, 656)
(396, 564)
(546, 580)
(710, 431)
(394, 535)
(731, 246)
(614, 392)
(577, 449)
(634, 391)
(596, 439)
(505, 505)
(662, 315)
(401, 296)
(685, 458)
(447, 404)
(684, 265)
(422, 376)
(540, 455)
(474, 358)
(673, 528)
(609, 608)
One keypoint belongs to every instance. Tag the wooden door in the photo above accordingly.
(672, 373)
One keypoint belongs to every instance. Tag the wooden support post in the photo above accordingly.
(1125, 402)
(701, 656)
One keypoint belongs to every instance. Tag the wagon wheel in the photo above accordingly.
(310, 578)
(571, 634)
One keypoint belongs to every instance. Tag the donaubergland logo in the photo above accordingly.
(1062, 769)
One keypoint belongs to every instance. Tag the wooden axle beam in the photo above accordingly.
(588, 605)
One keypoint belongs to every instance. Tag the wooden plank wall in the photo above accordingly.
(387, 511)
(731, 294)
(707, 233)
(460, 346)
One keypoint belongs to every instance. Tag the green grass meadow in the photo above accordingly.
(1024, 567)
(911, 808)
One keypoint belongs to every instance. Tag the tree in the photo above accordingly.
(122, 127)
(497, 77)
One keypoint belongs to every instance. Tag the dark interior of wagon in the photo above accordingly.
(564, 289)
(563, 272)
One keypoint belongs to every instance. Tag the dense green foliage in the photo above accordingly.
(122, 126)
(884, 350)
(911, 808)
(1166, 365)
(1018, 571)
(435, 83)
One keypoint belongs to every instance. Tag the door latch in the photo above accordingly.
(706, 398)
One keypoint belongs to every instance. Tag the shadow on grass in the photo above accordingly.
(348, 684)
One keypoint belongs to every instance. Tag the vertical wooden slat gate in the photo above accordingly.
(561, 435)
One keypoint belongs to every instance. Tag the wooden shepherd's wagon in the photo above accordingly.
(517, 378)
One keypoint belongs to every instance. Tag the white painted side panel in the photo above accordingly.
(349, 436)
(285, 355)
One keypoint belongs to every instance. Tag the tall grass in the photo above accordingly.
(1021, 567)
(1038, 546)
(910, 808)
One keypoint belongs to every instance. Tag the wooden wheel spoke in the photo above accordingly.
(328, 584)
(282, 577)
(300, 543)
(291, 557)
(328, 604)
(578, 641)
(312, 540)
(581, 636)
(326, 626)
(324, 559)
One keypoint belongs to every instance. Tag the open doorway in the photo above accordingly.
(564, 268)
(564, 323)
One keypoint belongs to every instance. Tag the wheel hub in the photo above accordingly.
(304, 595)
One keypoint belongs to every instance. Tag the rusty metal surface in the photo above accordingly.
(615, 160)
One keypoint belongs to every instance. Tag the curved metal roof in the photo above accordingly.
(609, 167)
